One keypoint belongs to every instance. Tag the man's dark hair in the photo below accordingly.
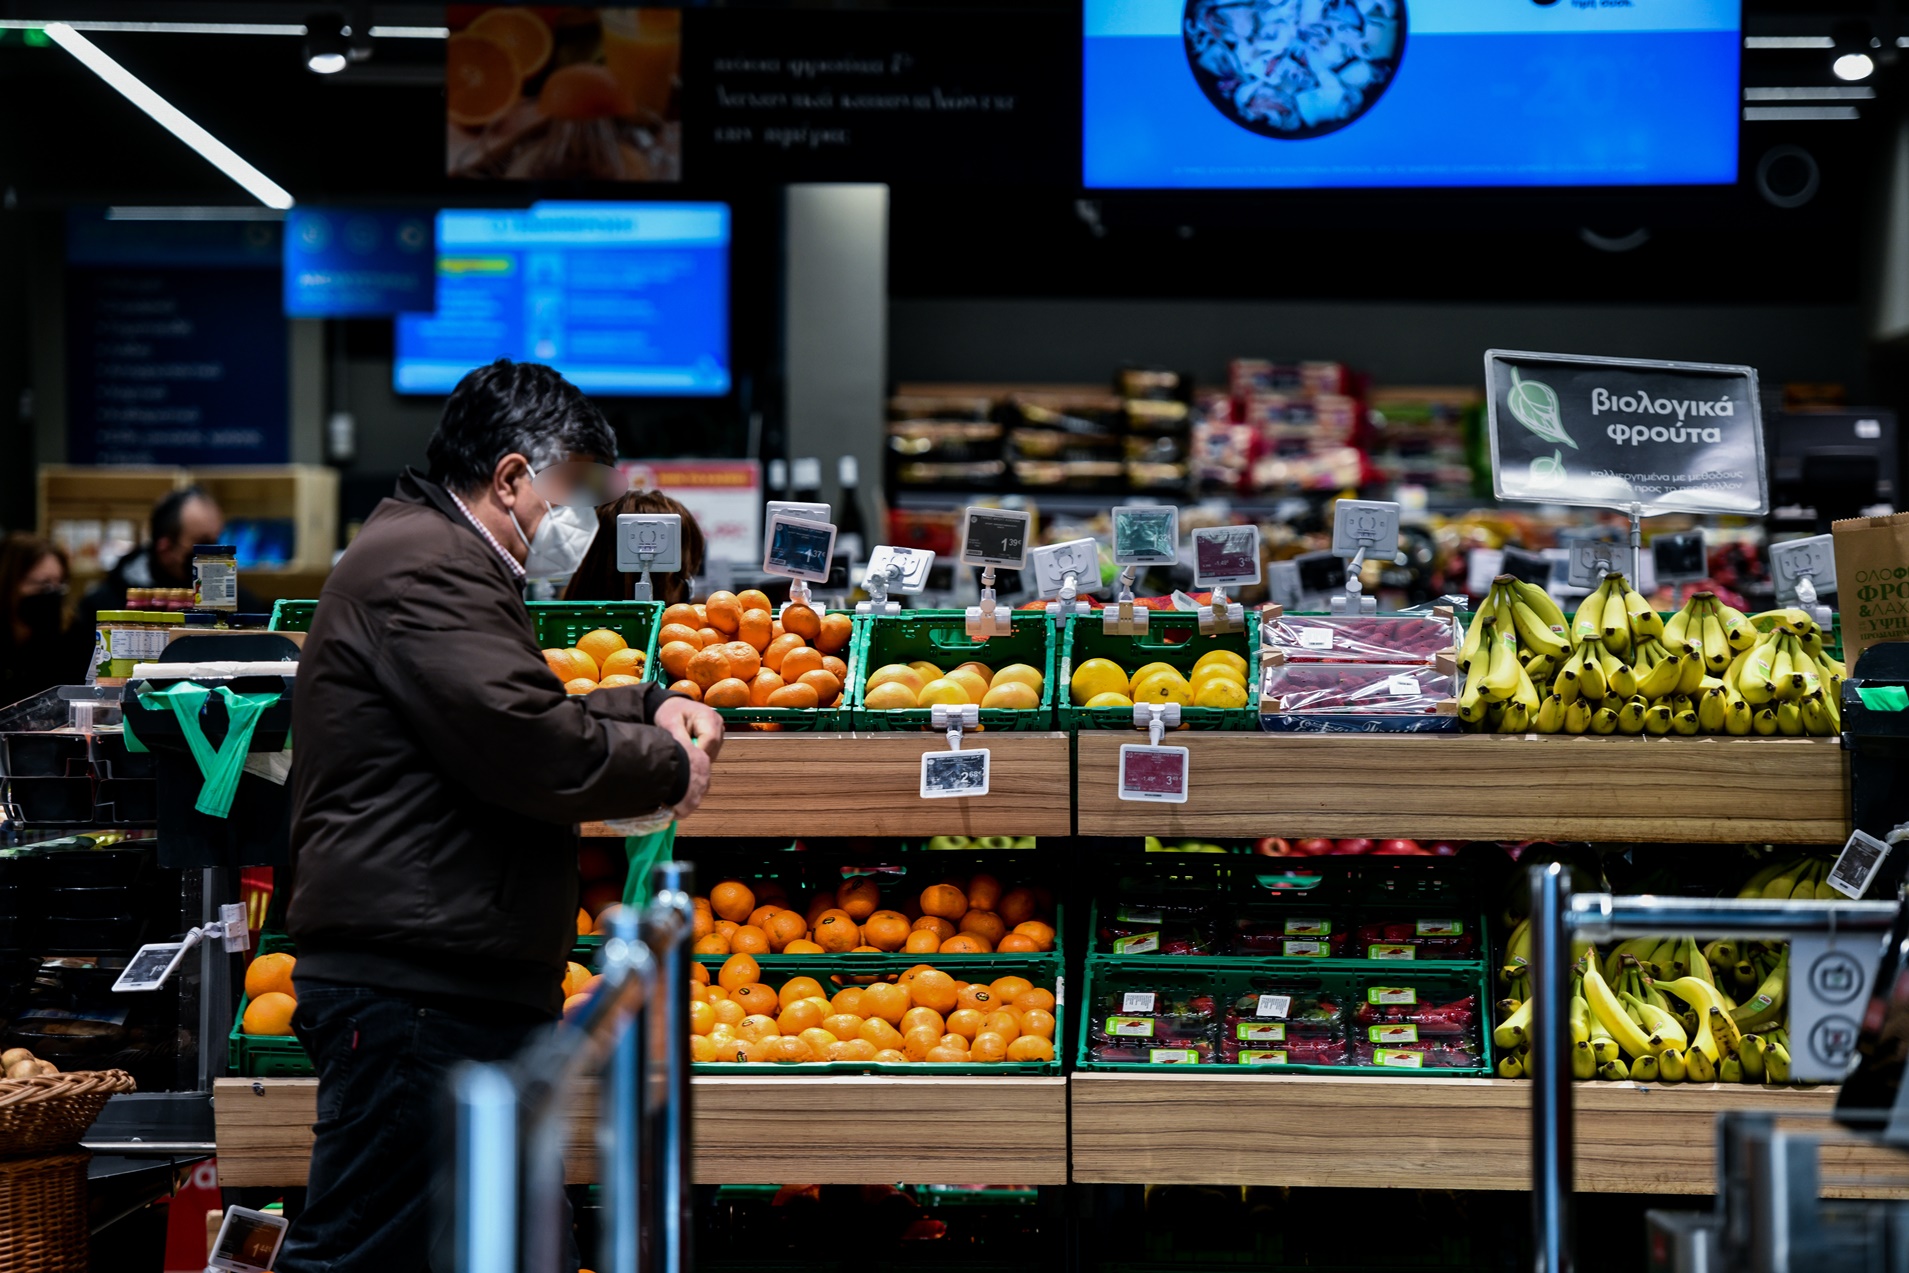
(170, 512)
(514, 406)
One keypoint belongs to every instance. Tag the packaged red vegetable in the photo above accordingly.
(1154, 1018)
(1273, 1013)
(1415, 1056)
(1374, 638)
(1152, 928)
(1367, 689)
(1140, 1052)
(1289, 937)
(1289, 1052)
(1405, 1007)
(1433, 937)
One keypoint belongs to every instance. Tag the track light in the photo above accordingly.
(1853, 66)
(327, 43)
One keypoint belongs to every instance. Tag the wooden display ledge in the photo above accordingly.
(1481, 787)
(749, 1130)
(1396, 1132)
(824, 784)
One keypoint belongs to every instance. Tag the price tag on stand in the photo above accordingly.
(992, 538)
(1803, 565)
(1153, 773)
(1064, 574)
(1143, 535)
(1857, 865)
(1228, 557)
(903, 571)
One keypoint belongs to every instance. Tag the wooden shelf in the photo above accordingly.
(1482, 786)
(1396, 1132)
(749, 1130)
(870, 784)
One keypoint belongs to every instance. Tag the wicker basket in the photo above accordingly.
(54, 1111)
(44, 1200)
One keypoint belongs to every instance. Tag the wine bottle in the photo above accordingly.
(851, 535)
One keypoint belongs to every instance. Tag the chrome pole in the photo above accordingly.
(1600, 917)
(617, 1121)
(670, 924)
(1550, 1061)
(486, 1180)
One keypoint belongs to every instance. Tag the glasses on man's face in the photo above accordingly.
(579, 483)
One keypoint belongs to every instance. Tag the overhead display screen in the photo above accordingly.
(622, 298)
(1325, 94)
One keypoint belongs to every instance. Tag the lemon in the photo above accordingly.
(1216, 672)
(1022, 673)
(968, 679)
(1226, 657)
(1012, 694)
(900, 674)
(888, 696)
(1142, 673)
(1096, 677)
(942, 690)
(1109, 699)
(1219, 691)
(926, 671)
(1164, 687)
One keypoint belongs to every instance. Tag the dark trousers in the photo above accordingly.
(376, 1202)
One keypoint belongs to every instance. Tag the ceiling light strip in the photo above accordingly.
(169, 117)
(410, 33)
(1788, 42)
(169, 28)
(1776, 114)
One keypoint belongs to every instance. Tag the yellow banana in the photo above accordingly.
(1716, 646)
(1591, 679)
(1536, 635)
(1616, 628)
(1589, 623)
(1577, 716)
(1662, 679)
(1619, 680)
(1701, 996)
(1789, 720)
(1645, 622)
(1480, 626)
(1604, 720)
(1501, 681)
(1693, 668)
(1550, 718)
(1611, 1015)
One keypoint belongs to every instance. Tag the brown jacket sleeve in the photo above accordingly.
(458, 664)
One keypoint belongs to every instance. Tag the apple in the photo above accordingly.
(1399, 848)
(1313, 848)
(1443, 848)
(1352, 847)
(1273, 847)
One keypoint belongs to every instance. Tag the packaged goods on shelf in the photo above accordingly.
(1357, 697)
(1374, 638)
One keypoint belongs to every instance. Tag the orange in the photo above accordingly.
(851, 1050)
(926, 670)
(803, 946)
(702, 1050)
(887, 1001)
(798, 661)
(843, 1025)
(979, 997)
(944, 901)
(886, 930)
(985, 924)
(522, 33)
(675, 657)
(832, 636)
(574, 1004)
(984, 892)
(940, 927)
(918, 1043)
(1018, 906)
(678, 632)
(967, 944)
(779, 649)
(574, 975)
(797, 695)
(838, 933)
(1042, 935)
(848, 1000)
(921, 941)
(827, 685)
(684, 614)
(800, 988)
(966, 1022)
(585, 924)
(728, 692)
(702, 1018)
(712, 637)
(738, 971)
(732, 900)
(1030, 1000)
(758, 999)
(270, 1013)
(907, 979)
(600, 645)
(481, 80)
(899, 674)
(727, 927)
(757, 628)
(1016, 944)
(970, 682)
(756, 1027)
(571, 665)
(765, 684)
(917, 1017)
(890, 1056)
(707, 666)
(611, 682)
(786, 927)
(832, 664)
(702, 614)
(859, 897)
(749, 940)
(725, 615)
(699, 974)
(689, 688)
(944, 1055)
(935, 989)
(759, 1052)
(727, 1012)
(1005, 1024)
(711, 944)
(881, 1033)
(989, 1046)
(754, 599)
(760, 916)
(952, 1040)
(744, 662)
(799, 1016)
(819, 1041)
(941, 690)
(802, 621)
(582, 685)
(1037, 1021)
(273, 973)
(1008, 989)
(1030, 1048)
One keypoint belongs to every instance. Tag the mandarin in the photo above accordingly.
(1042, 935)
(802, 621)
(625, 662)
(935, 989)
(833, 635)
(887, 1001)
(571, 665)
(967, 944)
(728, 692)
(707, 666)
(852, 1050)
(1017, 907)
(940, 927)
(944, 901)
(738, 971)
(916, 1044)
(890, 1056)
(780, 648)
(601, 644)
(944, 1055)
(582, 685)
(1008, 989)
(760, 916)
(712, 638)
(711, 944)
(765, 684)
(757, 628)
(574, 975)
(978, 997)
(983, 924)
(797, 695)
(827, 685)
(612, 680)
(1037, 1021)
(966, 1022)
(273, 972)
(675, 657)
(819, 1041)
(803, 946)
(838, 933)
(783, 928)
(754, 599)
(732, 900)
(954, 1041)
(879, 1032)
(749, 940)
(848, 999)
(699, 974)
(859, 897)
(1030, 1048)
(984, 891)
(921, 941)
(798, 661)
(269, 1014)
(799, 1016)
(917, 1017)
(702, 1018)
(724, 612)
(886, 930)
(687, 688)
(678, 632)
(744, 661)
(1005, 1024)
(832, 664)
(843, 1025)
(728, 1012)
(988, 1046)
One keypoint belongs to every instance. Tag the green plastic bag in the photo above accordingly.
(645, 851)
(221, 766)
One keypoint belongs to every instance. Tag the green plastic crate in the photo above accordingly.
(1084, 639)
(940, 637)
(829, 971)
(802, 719)
(1226, 980)
(558, 623)
(256, 1056)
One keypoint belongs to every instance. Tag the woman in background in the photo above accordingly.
(598, 579)
(39, 648)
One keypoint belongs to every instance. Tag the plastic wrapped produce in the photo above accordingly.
(1155, 1018)
(1407, 1006)
(1431, 937)
(1382, 639)
(1357, 689)
(1274, 1013)
(1416, 1056)
(1289, 936)
(1158, 928)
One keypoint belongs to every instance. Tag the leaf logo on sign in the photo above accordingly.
(1547, 471)
(1534, 404)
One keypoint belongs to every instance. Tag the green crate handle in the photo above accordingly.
(958, 641)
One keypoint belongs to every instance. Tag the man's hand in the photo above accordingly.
(698, 781)
(700, 730)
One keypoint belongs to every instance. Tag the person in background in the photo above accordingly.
(180, 519)
(598, 579)
(39, 645)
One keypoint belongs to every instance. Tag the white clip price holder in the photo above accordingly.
(953, 774)
(1804, 571)
(646, 542)
(990, 538)
(897, 570)
(1223, 557)
(1121, 617)
(1591, 557)
(1150, 772)
(1363, 528)
(798, 549)
(1144, 535)
(1063, 572)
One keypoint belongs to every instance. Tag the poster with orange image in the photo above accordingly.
(543, 92)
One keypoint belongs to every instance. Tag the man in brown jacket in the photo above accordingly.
(440, 773)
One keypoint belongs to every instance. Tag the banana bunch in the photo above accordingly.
(1661, 1010)
(1785, 676)
(1516, 643)
(1804, 878)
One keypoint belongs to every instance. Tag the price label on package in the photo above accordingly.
(1274, 1006)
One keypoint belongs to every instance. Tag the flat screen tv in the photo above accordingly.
(1334, 94)
(625, 299)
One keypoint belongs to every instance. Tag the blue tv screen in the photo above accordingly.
(1293, 94)
(626, 299)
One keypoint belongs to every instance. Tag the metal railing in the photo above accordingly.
(1557, 917)
(507, 1193)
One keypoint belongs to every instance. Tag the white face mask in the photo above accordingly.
(561, 539)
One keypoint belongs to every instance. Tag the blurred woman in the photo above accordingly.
(598, 579)
(39, 648)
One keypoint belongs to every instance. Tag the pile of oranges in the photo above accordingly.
(732, 651)
(955, 917)
(922, 684)
(924, 1015)
(597, 661)
(268, 986)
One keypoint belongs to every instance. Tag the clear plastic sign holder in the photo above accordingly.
(1804, 571)
(1363, 528)
(646, 542)
(990, 538)
(1223, 557)
(903, 571)
(955, 773)
(798, 549)
(1064, 571)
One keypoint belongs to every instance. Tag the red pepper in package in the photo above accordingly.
(1429, 938)
(1390, 638)
(1366, 689)
(1416, 1056)
(1142, 928)
(1154, 1019)
(1140, 1052)
(1290, 937)
(1292, 1051)
(1400, 1006)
